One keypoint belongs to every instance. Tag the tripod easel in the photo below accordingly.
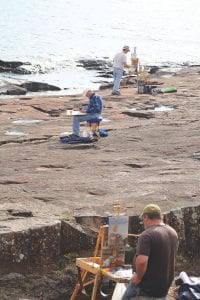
(89, 269)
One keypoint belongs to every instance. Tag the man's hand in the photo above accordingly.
(127, 65)
(83, 107)
(83, 110)
(135, 279)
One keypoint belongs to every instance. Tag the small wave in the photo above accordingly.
(51, 64)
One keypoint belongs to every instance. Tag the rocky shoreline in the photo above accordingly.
(16, 86)
(151, 154)
(12, 86)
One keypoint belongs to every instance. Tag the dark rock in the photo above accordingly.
(105, 75)
(52, 285)
(18, 70)
(13, 67)
(75, 237)
(29, 86)
(26, 248)
(17, 67)
(196, 155)
(16, 277)
(16, 90)
(94, 64)
(10, 64)
(186, 222)
(21, 71)
(153, 70)
(52, 112)
(39, 86)
(191, 218)
(145, 115)
(106, 86)
(5, 70)
(19, 213)
(137, 166)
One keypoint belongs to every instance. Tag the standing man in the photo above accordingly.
(154, 259)
(119, 62)
(93, 110)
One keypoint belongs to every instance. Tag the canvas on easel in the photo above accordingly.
(114, 251)
(109, 253)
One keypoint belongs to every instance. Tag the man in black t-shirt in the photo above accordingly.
(155, 257)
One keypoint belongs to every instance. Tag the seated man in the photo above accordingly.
(93, 110)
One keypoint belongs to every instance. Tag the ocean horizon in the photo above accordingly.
(55, 35)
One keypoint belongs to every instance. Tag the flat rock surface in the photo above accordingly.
(150, 155)
(9, 223)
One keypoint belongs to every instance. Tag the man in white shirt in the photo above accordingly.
(119, 62)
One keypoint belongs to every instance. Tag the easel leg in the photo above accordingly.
(96, 284)
(82, 280)
(79, 285)
(75, 292)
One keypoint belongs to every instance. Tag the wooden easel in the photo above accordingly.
(89, 269)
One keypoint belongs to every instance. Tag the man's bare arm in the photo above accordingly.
(141, 267)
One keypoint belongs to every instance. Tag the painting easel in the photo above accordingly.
(92, 269)
(89, 269)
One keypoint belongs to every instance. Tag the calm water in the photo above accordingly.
(55, 34)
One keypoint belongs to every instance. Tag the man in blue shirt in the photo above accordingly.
(92, 111)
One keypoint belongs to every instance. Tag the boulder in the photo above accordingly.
(16, 90)
(28, 243)
(32, 86)
(94, 64)
(10, 88)
(21, 71)
(186, 222)
(13, 67)
(10, 64)
(76, 237)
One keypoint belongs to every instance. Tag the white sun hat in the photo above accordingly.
(85, 91)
